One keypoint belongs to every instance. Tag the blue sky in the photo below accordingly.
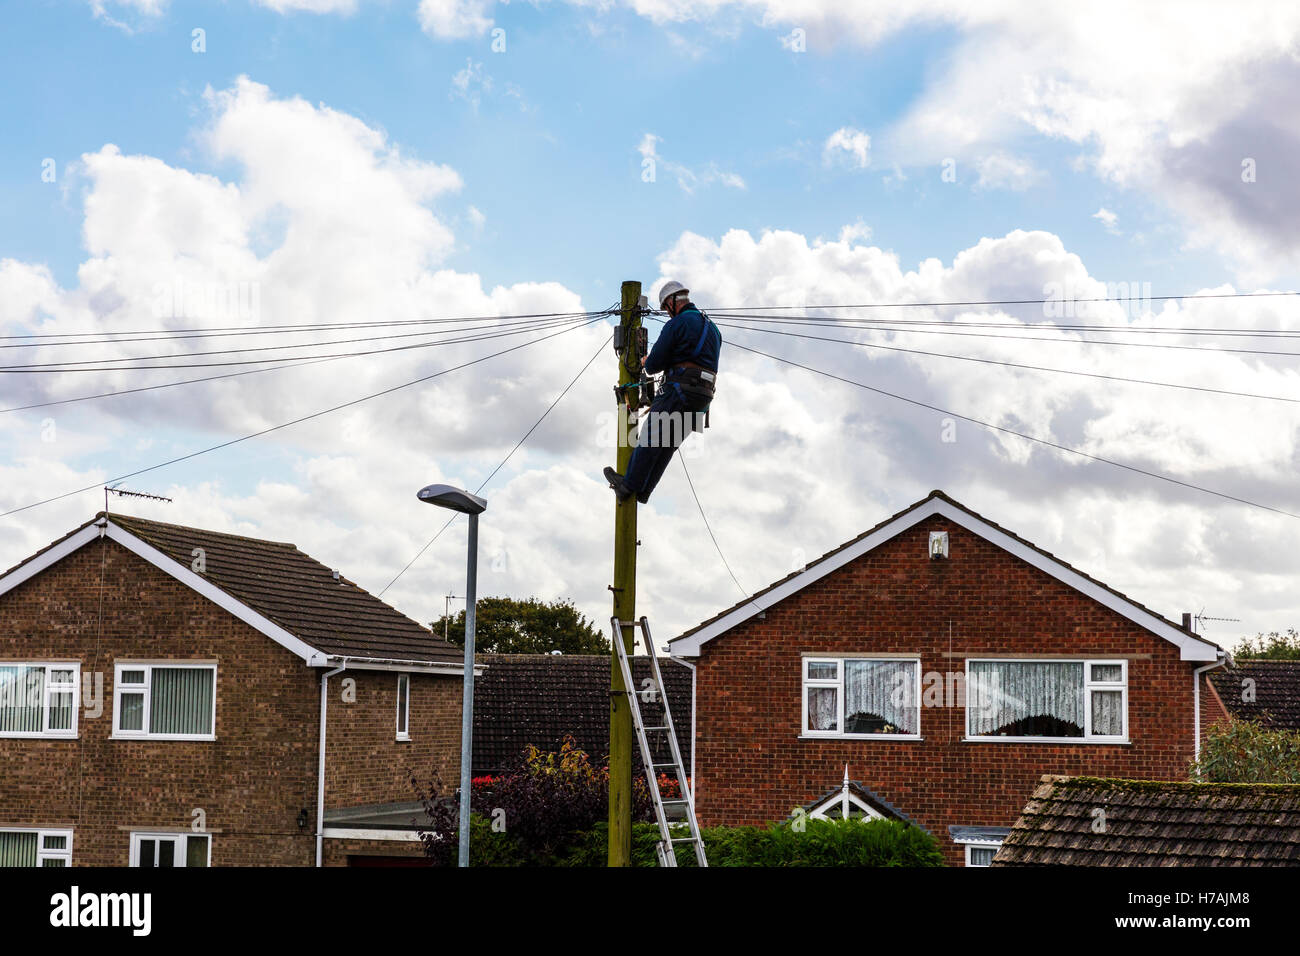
(1090, 146)
(548, 154)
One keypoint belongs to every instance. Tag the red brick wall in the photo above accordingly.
(252, 781)
(337, 852)
(753, 767)
(365, 763)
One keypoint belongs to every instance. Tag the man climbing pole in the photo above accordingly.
(687, 351)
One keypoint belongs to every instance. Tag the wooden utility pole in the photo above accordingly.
(620, 712)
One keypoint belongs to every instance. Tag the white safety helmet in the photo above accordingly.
(670, 289)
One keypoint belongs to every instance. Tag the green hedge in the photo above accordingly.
(821, 843)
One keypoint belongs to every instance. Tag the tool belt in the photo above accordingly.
(694, 380)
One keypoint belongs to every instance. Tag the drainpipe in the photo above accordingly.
(320, 770)
(1196, 698)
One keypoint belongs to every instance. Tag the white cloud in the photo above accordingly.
(310, 6)
(455, 19)
(689, 178)
(849, 145)
(471, 83)
(335, 222)
(1107, 219)
(1001, 170)
(1164, 98)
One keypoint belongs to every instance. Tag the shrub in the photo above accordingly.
(547, 797)
(1244, 751)
(821, 843)
(555, 804)
(1272, 647)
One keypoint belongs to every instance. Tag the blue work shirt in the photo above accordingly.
(678, 341)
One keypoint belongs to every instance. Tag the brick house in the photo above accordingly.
(177, 697)
(945, 664)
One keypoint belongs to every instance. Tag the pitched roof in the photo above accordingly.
(867, 796)
(1193, 646)
(1155, 823)
(523, 699)
(275, 587)
(1276, 690)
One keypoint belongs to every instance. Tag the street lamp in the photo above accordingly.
(455, 499)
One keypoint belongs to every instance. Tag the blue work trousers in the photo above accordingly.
(672, 417)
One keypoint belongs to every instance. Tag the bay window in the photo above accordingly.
(39, 700)
(861, 697)
(1047, 700)
(172, 701)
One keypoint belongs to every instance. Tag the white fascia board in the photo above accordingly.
(196, 582)
(50, 557)
(359, 833)
(397, 665)
(203, 586)
(161, 561)
(1190, 648)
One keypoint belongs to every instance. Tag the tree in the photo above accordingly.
(1274, 647)
(1246, 752)
(507, 626)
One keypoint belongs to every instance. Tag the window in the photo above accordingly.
(170, 849)
(861, 697)
(39, 700)
(1047, 700)
(174, 701)
(981, 855)
(403, 706)
(24, 847)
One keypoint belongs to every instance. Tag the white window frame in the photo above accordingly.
(838, 683)
(982, 845)
(43, 854)
(1089, 685)
(146, 690)
(74, 688)
(174, 836)
(403, 707)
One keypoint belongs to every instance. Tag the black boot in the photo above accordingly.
(621, 491)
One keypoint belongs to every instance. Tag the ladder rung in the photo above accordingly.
(682, 840)
(657, 728)
(674, 800)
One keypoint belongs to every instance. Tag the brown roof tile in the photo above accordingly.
(523, 699)
(298, 593)
(1275, 689)
(1155, 823)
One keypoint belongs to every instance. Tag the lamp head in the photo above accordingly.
(452, 498)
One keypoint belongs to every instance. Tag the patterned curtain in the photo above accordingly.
(1108, 712)
(880, 697)
(1025, 698)
(180, 700)
(17, 849)
(22, 691)
(823, 708)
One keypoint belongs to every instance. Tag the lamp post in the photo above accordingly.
(456, 499)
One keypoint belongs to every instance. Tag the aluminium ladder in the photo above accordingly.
(678, 812)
